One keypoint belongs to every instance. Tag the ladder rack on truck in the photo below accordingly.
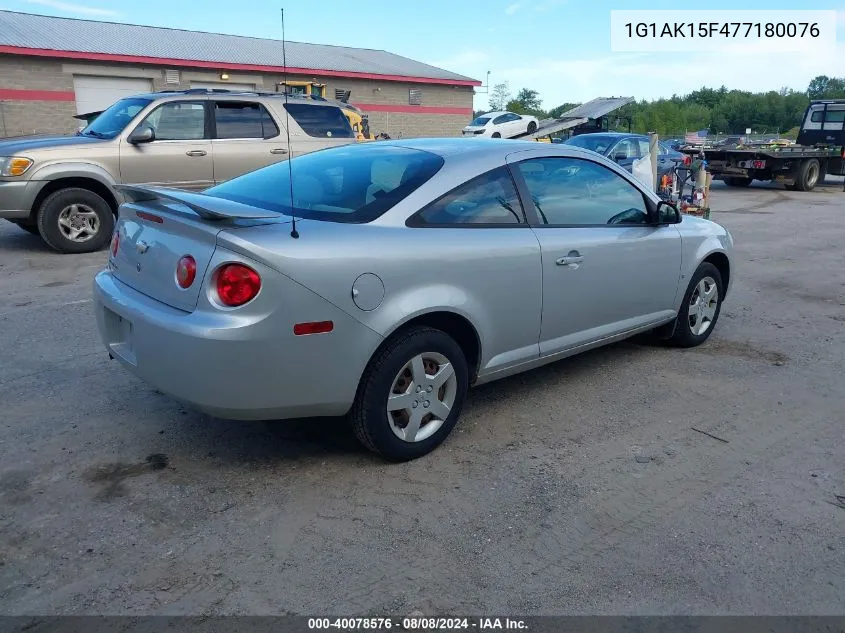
(800, 167)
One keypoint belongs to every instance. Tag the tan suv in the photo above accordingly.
(63, 187)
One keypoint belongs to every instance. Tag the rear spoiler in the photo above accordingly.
(207, 207)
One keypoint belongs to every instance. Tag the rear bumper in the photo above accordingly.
(235, 365)
(17, 198)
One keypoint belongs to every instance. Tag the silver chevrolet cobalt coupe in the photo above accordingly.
(413, 270)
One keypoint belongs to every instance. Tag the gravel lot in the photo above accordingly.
(577, 488)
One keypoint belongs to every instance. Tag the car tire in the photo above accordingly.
(26, 225)
(495, 135)
(392, 372)
(78, 210)
(532, 127)
(689, 331)
(808, 175)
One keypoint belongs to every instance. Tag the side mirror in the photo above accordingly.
(667, 213)
(144, 134)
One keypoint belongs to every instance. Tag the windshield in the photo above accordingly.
(598, 144)
(111, 122)
(480, 121)
(352, 183)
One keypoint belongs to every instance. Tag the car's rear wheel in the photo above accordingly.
(411, 394)
(495, 135)
(700, 308)
(532, 127)
(75, 220)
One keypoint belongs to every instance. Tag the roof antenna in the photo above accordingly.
(293, 232)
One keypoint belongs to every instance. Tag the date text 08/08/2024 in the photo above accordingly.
(724, 29)
(421, 623)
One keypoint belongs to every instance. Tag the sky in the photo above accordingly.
(560, 48)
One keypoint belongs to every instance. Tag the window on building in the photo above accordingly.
(415, 96)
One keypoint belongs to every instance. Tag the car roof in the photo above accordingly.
(495, 114)
(233, 95)
(454, 146)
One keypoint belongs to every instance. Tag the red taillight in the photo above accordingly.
(115, 243)
(315, 327)
(687, 160)
(186, 271)
(237, 284)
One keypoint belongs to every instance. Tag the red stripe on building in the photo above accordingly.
(193, 63)
(391, 107)
(36, 95)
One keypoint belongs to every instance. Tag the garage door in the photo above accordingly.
(223, 85)
(98, 93)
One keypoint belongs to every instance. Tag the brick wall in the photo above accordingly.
(19, 117)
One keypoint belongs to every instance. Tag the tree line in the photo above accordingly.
(720, 110)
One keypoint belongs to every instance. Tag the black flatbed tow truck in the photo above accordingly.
(820, 151)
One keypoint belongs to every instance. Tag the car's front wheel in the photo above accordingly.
(700, 307)
(75, 220)
(411, 394)
(532, 127)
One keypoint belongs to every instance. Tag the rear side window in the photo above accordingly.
(237, 119)
(352, 183)
(320, 121)
(488, 199)
(835, 116)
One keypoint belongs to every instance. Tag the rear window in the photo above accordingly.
(320, 121)
(351, 183)
(481, 121)
(597, 143)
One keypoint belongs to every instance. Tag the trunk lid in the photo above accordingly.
(158, 226)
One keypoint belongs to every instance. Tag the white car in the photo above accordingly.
(501, 125)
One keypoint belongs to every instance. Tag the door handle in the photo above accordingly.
(574, 257)
(196, 152)
(278, 150)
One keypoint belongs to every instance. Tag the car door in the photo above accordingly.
(606, 268)
(512, 125)
(625, 152)
(180, 154)
(500, 125)
(489, 261)
(245, 138)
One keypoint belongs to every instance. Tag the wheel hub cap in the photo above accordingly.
(703, 305)
(422, 396)
(78, 222)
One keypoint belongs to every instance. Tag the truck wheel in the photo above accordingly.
(75, 220)
(808, 175)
